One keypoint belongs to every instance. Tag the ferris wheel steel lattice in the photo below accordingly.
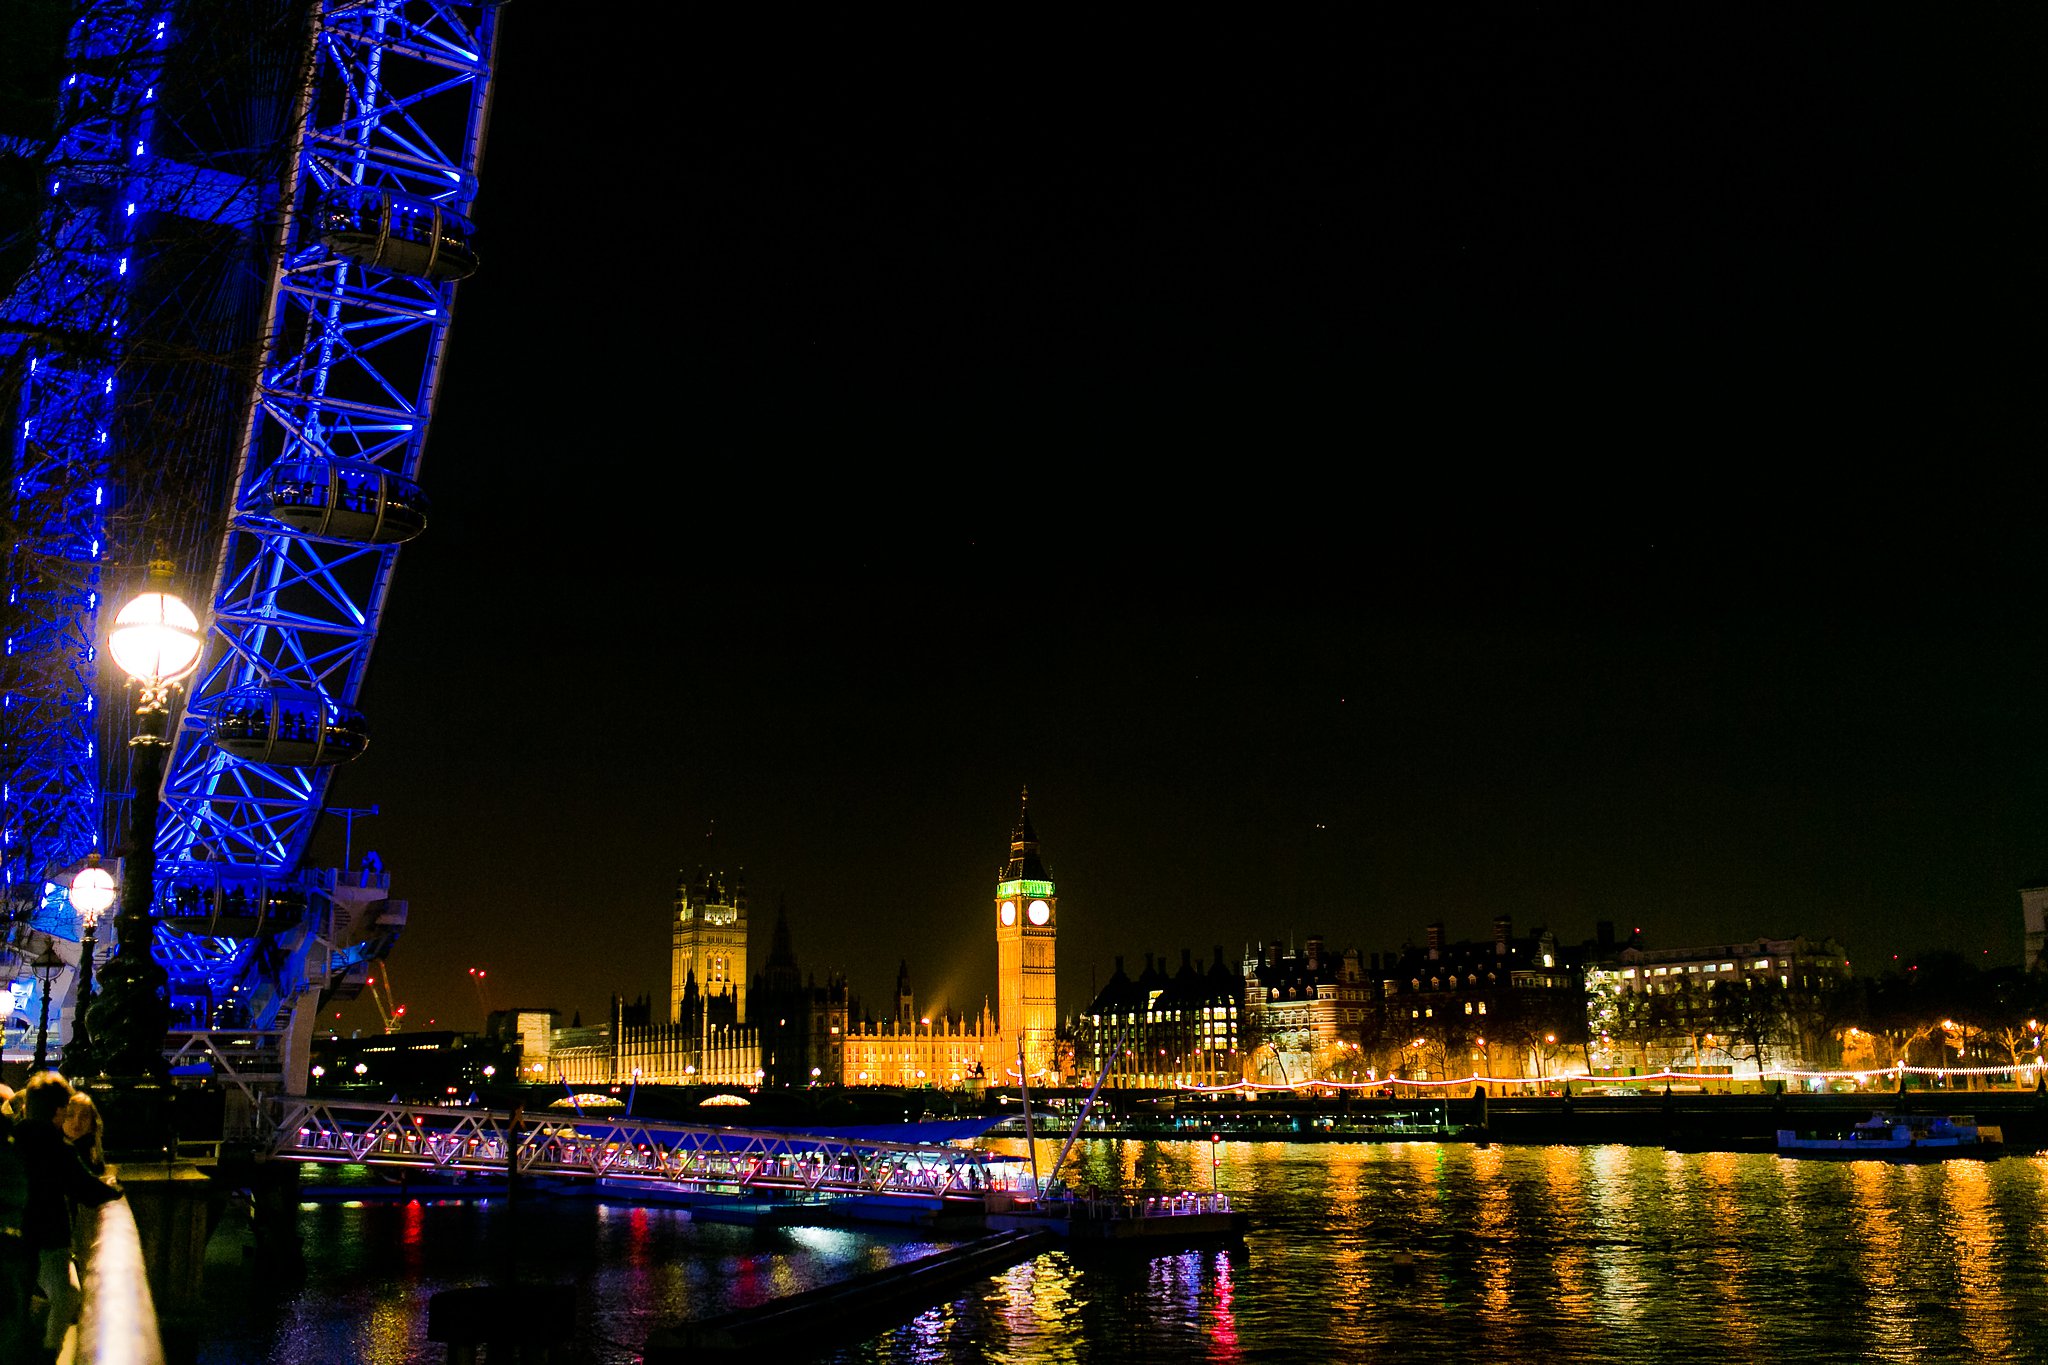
(223, 350)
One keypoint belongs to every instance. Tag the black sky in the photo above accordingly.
(1567, 463)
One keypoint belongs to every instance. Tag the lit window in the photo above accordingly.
(1482, 1007)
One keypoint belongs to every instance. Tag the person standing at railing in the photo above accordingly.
(57, 1182)
(17, 1262)
(81, 1124)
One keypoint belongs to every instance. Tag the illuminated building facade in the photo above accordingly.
(708, 955)
(1304, 1013)
(703, 1037)
(1027, 925)
(634, 1047)
(1736, 1008)
(946, 1051)
(1162, 1030)
(1508, 1006)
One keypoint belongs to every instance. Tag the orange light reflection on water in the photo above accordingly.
(1037, 1308)
(1874, 1204)
(1966, 1213)
(1564, 1177)
(1625, 1188)
(1343, 1172)
(1496, 1229)
(1721, 1197)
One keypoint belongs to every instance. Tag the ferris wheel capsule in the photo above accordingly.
(395, 231)
(288, 727)
(227, 903)
(342, 500)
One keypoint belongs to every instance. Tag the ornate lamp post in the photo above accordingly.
(45, 965)
(156, 641)
(92, 894)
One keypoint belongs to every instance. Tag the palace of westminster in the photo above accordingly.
(1512, 1005)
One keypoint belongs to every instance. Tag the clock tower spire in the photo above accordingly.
(1027, 921)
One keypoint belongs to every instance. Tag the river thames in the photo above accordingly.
(1519, 1254)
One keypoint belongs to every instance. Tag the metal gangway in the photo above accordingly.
(627, 1152)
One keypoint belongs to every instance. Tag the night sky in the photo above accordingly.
(1572, 465)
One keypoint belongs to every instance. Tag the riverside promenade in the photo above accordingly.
(1687, 1121)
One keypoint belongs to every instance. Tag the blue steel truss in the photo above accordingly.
(365, 209)
(62, 337)
(395, 111)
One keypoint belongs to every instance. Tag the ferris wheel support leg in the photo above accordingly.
(296, 1046)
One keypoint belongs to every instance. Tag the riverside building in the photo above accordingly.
(1303, 1014)
(1736, 1009)
(1161, 1030)
(1509, 1006)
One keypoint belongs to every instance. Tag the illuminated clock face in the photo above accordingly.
(1039, 912)
(1009, 912)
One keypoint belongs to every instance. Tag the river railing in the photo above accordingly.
(117, 1320)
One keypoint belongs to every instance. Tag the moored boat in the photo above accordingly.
(1898, 1138)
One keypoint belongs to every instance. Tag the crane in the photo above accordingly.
(392, 1014)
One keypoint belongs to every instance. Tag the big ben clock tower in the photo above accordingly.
(1027, 918)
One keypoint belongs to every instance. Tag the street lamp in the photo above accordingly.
(361, 1068)
(156, 642)
(91, 894)
(45, 965)
(318, 1072)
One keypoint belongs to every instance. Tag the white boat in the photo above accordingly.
(1897, 1137)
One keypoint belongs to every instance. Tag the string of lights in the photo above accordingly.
(2039, 1069)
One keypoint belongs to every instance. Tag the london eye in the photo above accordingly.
(228, 280)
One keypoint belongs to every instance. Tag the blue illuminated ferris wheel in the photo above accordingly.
(222, 345)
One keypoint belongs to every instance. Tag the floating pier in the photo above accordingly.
(848, 1308)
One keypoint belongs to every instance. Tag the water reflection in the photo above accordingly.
(1556, 1254)
(1966, 1214)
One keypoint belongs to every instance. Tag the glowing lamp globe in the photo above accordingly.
(92, 892)
(155, 638)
